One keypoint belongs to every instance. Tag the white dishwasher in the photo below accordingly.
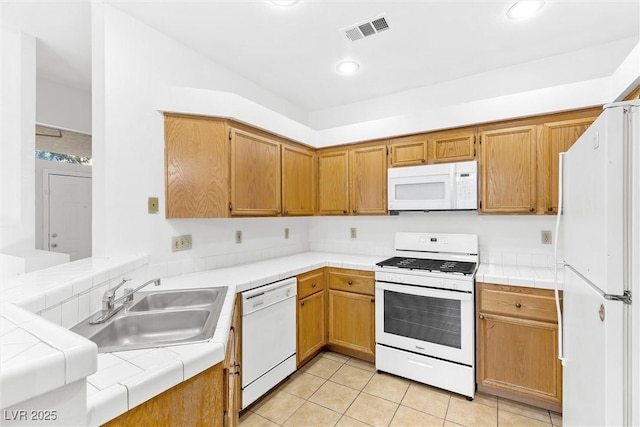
(268, 337)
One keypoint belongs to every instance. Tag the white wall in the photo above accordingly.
(62, 106)
(132, 63)
(18, 103)
(502, 237)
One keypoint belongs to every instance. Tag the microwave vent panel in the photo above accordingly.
(367, 28)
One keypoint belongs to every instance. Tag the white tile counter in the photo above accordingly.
(518, 275)
(39, 357)
(126, 379)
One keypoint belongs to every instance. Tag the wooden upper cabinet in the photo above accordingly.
(508, 170)
(557, 137)
(196, 167)
(255, 174)
(333, 182)
(408, 151)
(368, 171)
(298, 181)
(452, 146)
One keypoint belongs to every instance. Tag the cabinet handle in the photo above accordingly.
(481, 316)
(423, 160)
(302, 303)
(373, 300)
(531, 209)
(355, 211)
(518, 305)
(549, 209)
(313, 285)
(54, 245)
(344, 212)
(349, 282)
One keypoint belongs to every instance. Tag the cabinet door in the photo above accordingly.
(408, 151)
(255, 175)
(518, 359)
(311, 326)
(333, 182)
(351, 323)
(452, 147)
(368, 168)
(508, 170)
(196, 167)
(558, 137)
(298, 181)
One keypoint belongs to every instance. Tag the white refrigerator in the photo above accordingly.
(600, 220)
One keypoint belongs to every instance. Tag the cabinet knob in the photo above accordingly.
(518, 305)
(54, 235)
(302, 303)
(313, 285)
(423, 160)
(355, 211)
(349, 282)
(373, 300)
(549, 209)
(344, 212)
(54, 245)
(481, 316)
(531, 209)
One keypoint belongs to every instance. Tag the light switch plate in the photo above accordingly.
(286, 233)
(153, 205)
(238, 236)
(354, 232)
(546, 237)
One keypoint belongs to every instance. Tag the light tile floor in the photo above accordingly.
(336, 390)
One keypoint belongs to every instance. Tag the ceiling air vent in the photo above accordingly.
(365, 29)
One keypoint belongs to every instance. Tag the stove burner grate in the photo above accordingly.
(444, 266)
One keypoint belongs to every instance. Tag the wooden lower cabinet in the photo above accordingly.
(311, 315)
(352, 313)
(517, 345)
(195, 402)
(232, 369)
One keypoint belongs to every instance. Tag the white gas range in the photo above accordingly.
(425, 315)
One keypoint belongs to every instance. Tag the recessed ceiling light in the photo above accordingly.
(284, 2)
(347, 67)
(524, 9)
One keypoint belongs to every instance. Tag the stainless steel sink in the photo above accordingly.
(176, 299)
(157, 319)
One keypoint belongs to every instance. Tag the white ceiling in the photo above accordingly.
(293, 51)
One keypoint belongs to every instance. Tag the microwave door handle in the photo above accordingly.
(453, 197)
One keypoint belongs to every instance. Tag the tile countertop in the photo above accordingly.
(126, 379)
(518, 275)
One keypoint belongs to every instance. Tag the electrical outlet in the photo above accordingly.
(238, 236)
(181, 243)
(286, 233)
(152, 205)
(545, 237)
(354, 232)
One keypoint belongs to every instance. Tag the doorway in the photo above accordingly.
(67, 213)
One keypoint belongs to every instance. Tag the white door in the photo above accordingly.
(70, 215)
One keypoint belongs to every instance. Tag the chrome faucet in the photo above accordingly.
(109, 300)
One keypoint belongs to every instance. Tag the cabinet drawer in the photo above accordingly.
(352, 281)
(521, 303)
(310, 283)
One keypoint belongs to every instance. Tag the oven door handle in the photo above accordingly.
(425, 292)
(422, 365)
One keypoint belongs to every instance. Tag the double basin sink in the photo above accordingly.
(156, 319)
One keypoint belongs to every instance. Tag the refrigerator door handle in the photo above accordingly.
(624, 298)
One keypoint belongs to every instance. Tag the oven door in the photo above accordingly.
(434, 322)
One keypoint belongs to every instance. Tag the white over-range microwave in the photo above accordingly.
(442, 187)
